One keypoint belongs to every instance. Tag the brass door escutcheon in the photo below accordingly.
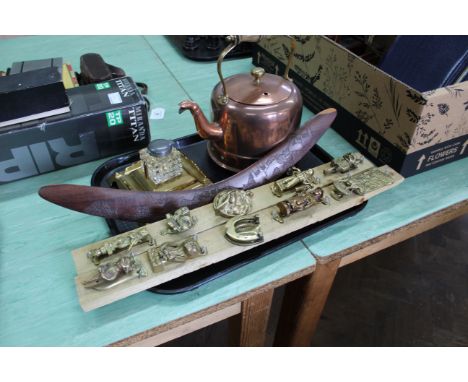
(361, 183)
(346, 163)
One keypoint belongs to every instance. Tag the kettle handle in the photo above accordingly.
(290, 58)
(233, 42)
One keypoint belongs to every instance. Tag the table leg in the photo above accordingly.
(253, 321)
(303, 302)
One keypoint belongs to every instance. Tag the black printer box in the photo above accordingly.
(106, 119)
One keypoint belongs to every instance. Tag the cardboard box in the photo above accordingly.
(384, 118)
(106, 119)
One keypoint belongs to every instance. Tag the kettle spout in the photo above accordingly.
(205, 129)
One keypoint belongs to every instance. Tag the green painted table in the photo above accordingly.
(38, 303)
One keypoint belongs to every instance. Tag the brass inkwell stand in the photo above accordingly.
(162, 167)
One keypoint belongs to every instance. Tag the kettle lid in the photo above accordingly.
(258, 88)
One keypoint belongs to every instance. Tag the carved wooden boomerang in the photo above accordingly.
(146, 206)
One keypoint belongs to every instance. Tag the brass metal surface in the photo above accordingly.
(223, 98)
(244, 230)
(303, 199)
(290, 58)
(133, 178)
(175, 252)
(180, 221)
(116, 272)
(297, 177)
(123, 242)
(257, 73)
(229, 203)
(361, 183)
(346, 163)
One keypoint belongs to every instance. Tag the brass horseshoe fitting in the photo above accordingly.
(244, 230)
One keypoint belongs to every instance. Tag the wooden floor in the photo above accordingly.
(412, 294)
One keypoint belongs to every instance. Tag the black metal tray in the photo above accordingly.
(195, 148)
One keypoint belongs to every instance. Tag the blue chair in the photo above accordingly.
(427, 62)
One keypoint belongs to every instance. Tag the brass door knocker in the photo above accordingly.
(244, 230)
(179, 222)
(296, 178)
(116, 272)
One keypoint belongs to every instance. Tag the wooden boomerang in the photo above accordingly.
(146, 206)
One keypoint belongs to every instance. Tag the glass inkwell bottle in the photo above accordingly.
(161, 161)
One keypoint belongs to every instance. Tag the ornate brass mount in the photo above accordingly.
(244, 230)
(296, 178)
(361, 183)
(346, 163)
(116, 272)
(175, 252)
(123, 242)
(180, 221)
(304, 198)
(233, 202)
(162, 167)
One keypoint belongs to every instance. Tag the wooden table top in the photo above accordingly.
(38, 301)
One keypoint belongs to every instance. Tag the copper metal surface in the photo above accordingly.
(269, 89)
(252, 113)
(148, 206)
(243, 133)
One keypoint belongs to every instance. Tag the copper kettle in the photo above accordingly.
(252, 113)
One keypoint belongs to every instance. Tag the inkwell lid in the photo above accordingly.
(160, 147)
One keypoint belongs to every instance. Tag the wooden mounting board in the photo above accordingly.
(210, 232)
